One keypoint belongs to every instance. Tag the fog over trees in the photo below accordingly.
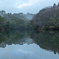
(14, 21)
(47, 17)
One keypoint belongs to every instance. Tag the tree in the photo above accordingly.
(55, 21)
(54, 5)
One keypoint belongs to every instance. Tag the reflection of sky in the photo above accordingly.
(26, 51)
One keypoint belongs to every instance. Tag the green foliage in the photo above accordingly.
(10, 21)
(46, 17)
(55, 21)
(3, 22)
(11, 37)
(52, 20)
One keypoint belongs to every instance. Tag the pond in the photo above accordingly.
(29, 45)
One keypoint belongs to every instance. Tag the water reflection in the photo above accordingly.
(47, 40)
(14, 37)
(20, 52)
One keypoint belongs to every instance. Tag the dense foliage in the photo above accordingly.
(4, 24)
(11, 22)
(46, 18)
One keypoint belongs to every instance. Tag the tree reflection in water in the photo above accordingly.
(11, 37)
(48, 40)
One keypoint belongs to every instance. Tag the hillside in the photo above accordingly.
(9, 21)
(47, 17)
(17, 20)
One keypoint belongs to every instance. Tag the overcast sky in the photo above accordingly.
(31, 6)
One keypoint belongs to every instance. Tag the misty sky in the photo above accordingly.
(32, 6)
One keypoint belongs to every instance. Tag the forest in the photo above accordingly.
(45, 19)
(16, 21)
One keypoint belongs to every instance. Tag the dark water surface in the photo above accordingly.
(29, 45)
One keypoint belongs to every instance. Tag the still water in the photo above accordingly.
(29, 45)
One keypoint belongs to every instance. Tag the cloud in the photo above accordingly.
(26, 3)
(24, 52)
(17, 3)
